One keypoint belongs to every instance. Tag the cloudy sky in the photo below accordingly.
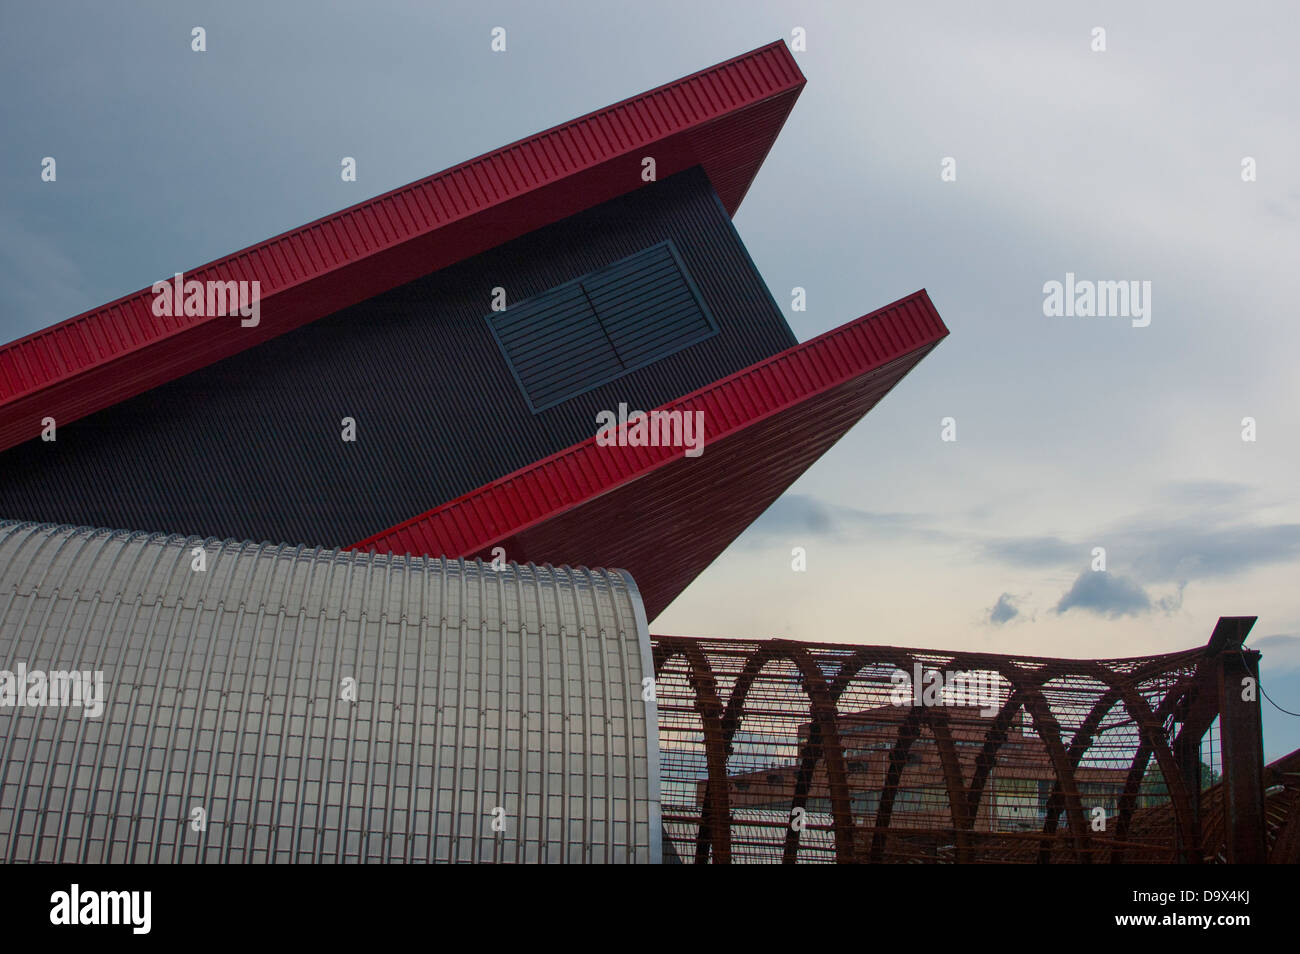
(1071, 433)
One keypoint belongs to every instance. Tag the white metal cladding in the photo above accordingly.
(517, 689)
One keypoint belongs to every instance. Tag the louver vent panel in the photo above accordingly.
(553, 341)
(594, 329)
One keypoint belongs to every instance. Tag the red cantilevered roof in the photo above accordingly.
(724, 119)
(664, 516)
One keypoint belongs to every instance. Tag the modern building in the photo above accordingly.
(469, 330)
(293, 560)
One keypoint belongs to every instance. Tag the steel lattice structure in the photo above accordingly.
(782, 751)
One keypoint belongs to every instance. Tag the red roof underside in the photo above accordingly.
(724, 118)
(663, 516)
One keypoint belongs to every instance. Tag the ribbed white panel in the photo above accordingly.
(476, 690)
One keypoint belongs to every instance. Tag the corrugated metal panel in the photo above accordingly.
(602, 326)
(626, 506)
(475, 689)
(250, 447)
(724, 119)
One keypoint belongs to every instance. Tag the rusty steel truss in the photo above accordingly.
(783, 751)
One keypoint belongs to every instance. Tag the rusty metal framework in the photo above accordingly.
(782, 751)
(1281, 815)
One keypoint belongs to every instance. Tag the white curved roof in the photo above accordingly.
(228, 729)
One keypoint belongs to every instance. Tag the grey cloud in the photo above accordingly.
(1162, 552)
(797, 515)
(1281, 652)
(1153, 551)
(1192, 552)
(1105, 594)
(1035, 551)
(1004, 610)
(1211, 492)
(1285, 208)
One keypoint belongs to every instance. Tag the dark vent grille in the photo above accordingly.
(594, 329)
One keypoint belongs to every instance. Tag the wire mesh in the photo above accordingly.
(780, 751)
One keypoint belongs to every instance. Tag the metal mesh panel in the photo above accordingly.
(300, 704)
(781, 751)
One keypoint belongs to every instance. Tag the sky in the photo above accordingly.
(1071, 433)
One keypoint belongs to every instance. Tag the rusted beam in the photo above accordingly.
(1187, 752)
(1241, 741)
(715, 810)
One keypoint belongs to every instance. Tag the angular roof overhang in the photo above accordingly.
(664, 516)
(724, 118)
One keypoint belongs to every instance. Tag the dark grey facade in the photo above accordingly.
(250, 448)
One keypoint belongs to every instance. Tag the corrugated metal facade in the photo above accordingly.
(223, 690)
(724, 119)
(250, 447)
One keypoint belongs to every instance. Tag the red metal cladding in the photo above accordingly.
(724, 118)
(665, 516)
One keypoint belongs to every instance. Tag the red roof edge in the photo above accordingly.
(571, 477)
(723, 118)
